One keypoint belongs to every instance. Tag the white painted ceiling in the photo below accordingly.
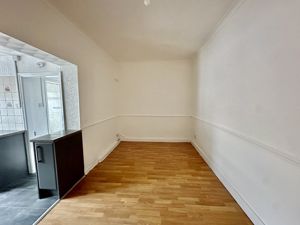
(10, 46)
(127, 30)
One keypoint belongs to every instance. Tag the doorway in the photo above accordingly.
(43, 107)
(33, 102)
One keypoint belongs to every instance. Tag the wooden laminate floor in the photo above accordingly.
(149, 184)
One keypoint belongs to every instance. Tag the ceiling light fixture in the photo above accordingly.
(147, 2)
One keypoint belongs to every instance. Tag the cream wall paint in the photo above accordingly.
(39, 24)
(247, 109)
(155, 100)
(130, 31)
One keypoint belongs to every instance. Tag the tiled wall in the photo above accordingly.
(11, 115)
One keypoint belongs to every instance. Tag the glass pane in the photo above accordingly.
(55, 105)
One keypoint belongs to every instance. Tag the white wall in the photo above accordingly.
(7, 66)
(155, 100)
(71, 96)
(28, 64)
(247, 115)
(11, 115)
(37, 23)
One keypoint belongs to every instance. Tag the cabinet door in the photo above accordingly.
(69, 161)
(45, 161)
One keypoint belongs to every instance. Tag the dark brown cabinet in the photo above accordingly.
(59, 162)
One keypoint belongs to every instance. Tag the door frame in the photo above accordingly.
(61, 99)
(42, 75)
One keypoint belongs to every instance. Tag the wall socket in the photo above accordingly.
(118, 136)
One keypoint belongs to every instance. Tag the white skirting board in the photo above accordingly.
(108, 150)
(155, 139)
(230, 187)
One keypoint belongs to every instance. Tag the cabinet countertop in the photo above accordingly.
(7, 133)
(49, 138)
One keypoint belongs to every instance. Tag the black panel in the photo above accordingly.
(69, 160)
(13, 160)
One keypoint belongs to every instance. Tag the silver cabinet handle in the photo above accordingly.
(39, 154)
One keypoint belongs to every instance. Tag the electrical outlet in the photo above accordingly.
(118, 137)
(195, 136)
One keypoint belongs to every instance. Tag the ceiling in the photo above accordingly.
(130, 31)
(10, 46)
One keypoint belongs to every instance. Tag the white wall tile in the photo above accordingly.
(11, 115)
